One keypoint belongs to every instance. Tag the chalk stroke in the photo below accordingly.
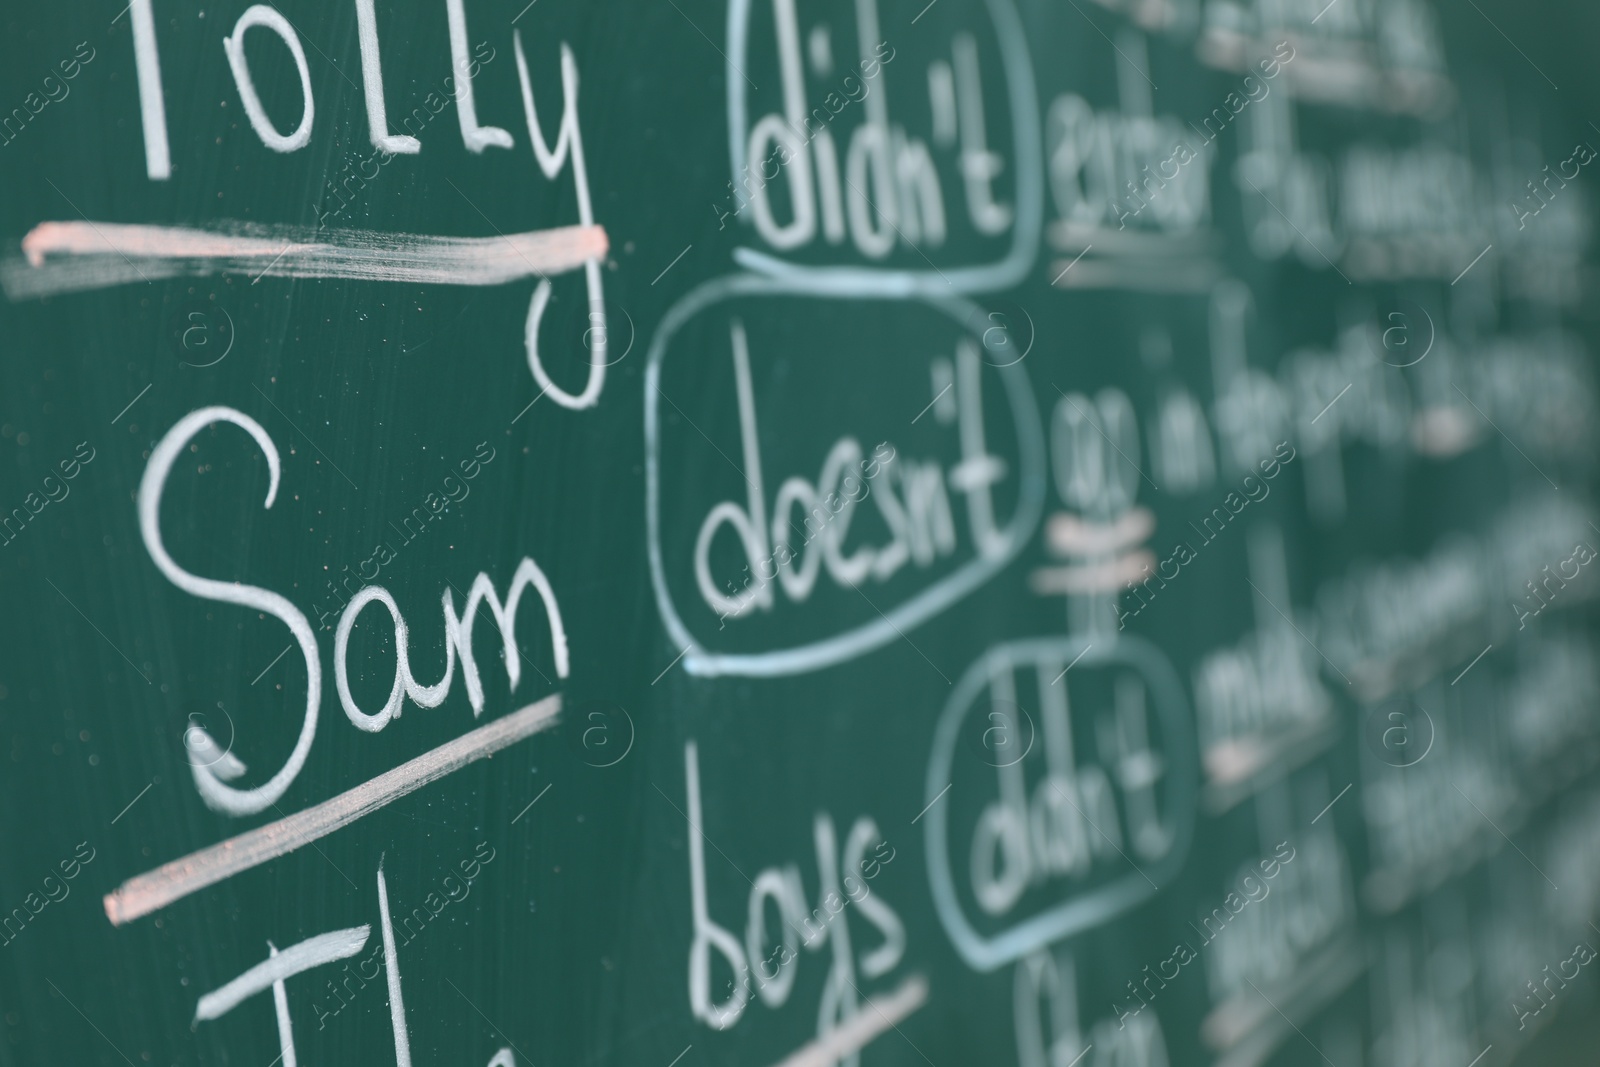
(280, 1010)
(877, 1015)
(173, 881)
(891, 624)
(66, 257)
(1071, 535)
(391, 961)
(855, 281)
(1065, 909)
(211, 776)
(152, 101)
(312, 952)
(372, 86)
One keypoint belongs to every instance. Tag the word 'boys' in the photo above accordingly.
(861, 857)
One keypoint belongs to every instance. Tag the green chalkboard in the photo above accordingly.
(767, 533)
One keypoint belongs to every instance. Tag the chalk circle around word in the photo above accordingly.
(599, 732)
(201, 745)
(1000, 737)
(200, 332)
(1005, 329)
(1399, 732)
(1407, 334)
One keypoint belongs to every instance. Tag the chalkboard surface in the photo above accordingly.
(955, 532)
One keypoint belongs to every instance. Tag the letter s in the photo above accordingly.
(217, 795)
(881, 960)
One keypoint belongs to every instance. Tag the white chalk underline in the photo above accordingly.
(154, 890)
(62, 257)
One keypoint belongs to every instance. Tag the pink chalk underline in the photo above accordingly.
(154, 890)
(60, 257)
